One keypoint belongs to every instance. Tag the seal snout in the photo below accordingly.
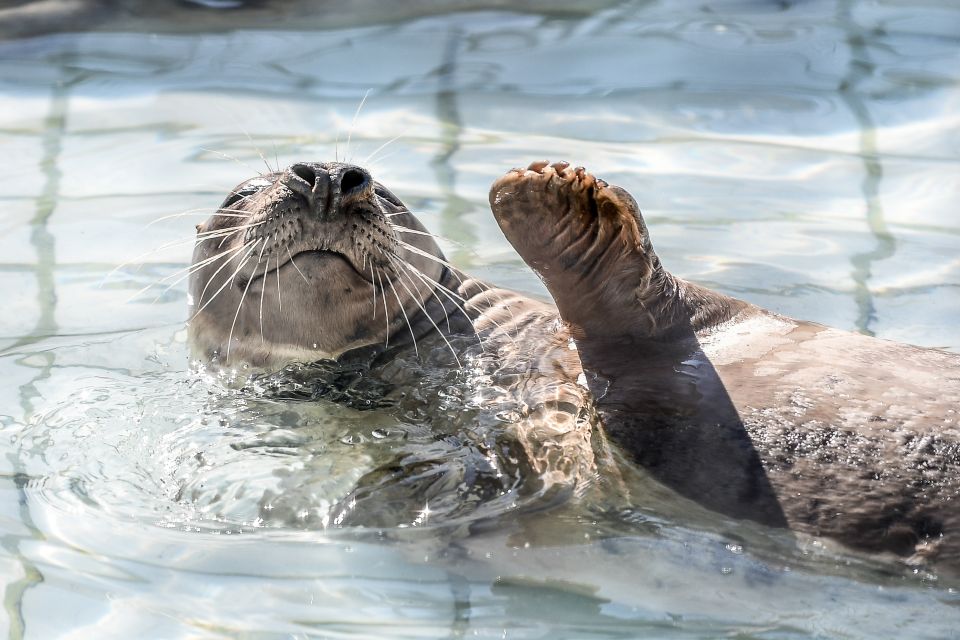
(325, 187)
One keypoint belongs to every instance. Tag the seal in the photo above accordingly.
(747, 413)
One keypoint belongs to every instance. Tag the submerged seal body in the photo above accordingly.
(748, 413)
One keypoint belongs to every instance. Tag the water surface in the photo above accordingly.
(803, 156)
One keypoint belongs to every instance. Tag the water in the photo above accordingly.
(803, 156)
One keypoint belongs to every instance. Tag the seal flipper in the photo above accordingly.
(636, 328)
(588, 242)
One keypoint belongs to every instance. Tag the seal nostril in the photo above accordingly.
(305, 173)
(352, 179)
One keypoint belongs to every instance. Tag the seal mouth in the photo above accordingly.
(315, 253)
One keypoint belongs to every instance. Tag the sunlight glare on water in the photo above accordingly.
(803, 156)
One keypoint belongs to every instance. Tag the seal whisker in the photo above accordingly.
(433, 291)
(243, 262)
(248, 245)
(229, 157)
(386, 314)
(448, 293)
(229, 213)
(398, 261)
(428, 278)
(147, 254)
(420, 252)
(235, 230)
(434, 285)
(263, 287)
(382, 147)
(263, 290)
(424, 310)
(216, 233)
(374, 286)
(294, 263)
(179, 241)
(259, 152)
(405, 317)
(382, 158)
(262, 249)
(353, 122)
(454, 297)
(199, 265)
(279, 299)
(186, 273)
(418, 232)
(243, 297)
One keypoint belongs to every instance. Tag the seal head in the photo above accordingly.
(306, 264)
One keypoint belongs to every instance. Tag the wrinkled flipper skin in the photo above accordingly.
(751, 414)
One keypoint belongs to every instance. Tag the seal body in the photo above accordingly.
(746, 412)
(749, 414)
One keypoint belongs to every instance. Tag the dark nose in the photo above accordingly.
(315, 182)
(309, 181)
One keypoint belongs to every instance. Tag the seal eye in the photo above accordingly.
(243, 191)
(386, 195)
